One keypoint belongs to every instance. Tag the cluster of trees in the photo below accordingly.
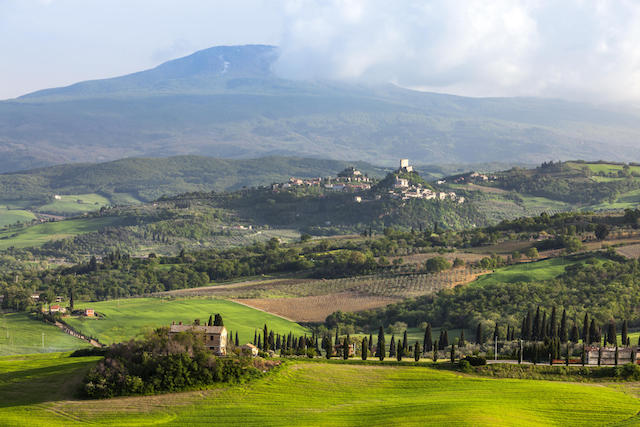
(161, 364)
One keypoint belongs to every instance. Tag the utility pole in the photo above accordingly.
(495, 351)
(520, 355)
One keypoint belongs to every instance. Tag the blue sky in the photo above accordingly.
(585, 50)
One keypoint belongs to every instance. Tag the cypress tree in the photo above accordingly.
(585, 329)
(543, 326)
(328, 348)
(479, 337)
(217, 320)
(210, 322)
(566, 359)
(593, 332)
(453, 354)
(445, 340)
(529, 326)
(435, 352)
(317, 346)
(563, 327)
(259, 342)
(400, 351)
(616, 355)
(405, 342)
(416, 351)
(583, 356)
(553, 326)
(337, 339)
(237, 342)
(428, 340)
(625, 333)
(265, 334)
(392, 347)
(599, 355)
(381, 350)
(272, 341)
(345, 349)
(365, 348)
(461, 342)
(496, 333)
(370, 343)
(255, 338)
(573, 336)
(612, 335)
(535, 334)
(523, 329)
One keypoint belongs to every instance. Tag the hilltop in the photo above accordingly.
(228, 102)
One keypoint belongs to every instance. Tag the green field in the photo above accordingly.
(19, 334)
(528, 271)
(129, 318)
(37, 391)
(75, 204)
(603, 167)
(8, 217)
(39, 234)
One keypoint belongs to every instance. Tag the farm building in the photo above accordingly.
(337, 349)
(89, 312)
(608, 355)
(215, 337)
(57, 309)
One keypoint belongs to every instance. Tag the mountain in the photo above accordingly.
(228, 102)
(147, 179)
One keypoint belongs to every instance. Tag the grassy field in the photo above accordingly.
(39, 234)
(529, 271)
(603, 167)
(75, 204)
(36, 391)
(129, 318)
(19, 334)
(8, 217)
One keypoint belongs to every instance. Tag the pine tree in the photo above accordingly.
(428, 340)
(461, 342)
(563, 327)
(400, 351)
(392, 347)
(625, 333)
(365, 348)
(585, 329)
(381, 348)
(416, 351)
(479, 337)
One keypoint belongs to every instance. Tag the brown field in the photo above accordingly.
(419, 259)
(630, 251)
(317, 308)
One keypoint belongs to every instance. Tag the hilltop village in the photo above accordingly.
(404, 183)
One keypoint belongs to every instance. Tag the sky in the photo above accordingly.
(571, 49)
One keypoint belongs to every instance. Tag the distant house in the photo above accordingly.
(249, 349)
(35, 297)
(337, 349)
(57, 309)
(401, 183)
(215, 337)
(89, 312)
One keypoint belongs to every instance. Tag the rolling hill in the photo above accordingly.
(227, 102)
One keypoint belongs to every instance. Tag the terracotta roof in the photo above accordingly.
(200, 328)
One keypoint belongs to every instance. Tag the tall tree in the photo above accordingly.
(370, 343)
(400, 351)
(328, 348)
(496, 333)
(337, 337)
(210, 322)
(217, 320)
(461, 342)
(381, 348)
(625, 333)
(593, 332)
(405, 342)
(255, 337)
(573, 336)
(435, 352)
(428, 340)
(365, 348)
(416, 351)
(535, 335)
(543, 326)
(345, 349)
(453, 354)
(265, 334)
(479, 337)
(392, 346)
(238, 342)
(563, 327)
(553, 325)
(445, 340)
(612, 335)
(585, 329)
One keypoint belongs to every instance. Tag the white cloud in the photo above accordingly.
(575, 49)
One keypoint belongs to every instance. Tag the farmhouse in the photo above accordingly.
(337, 349)
(57, 309)
(608, 355)
(215, 337)
(89, 312)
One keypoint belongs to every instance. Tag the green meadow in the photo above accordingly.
(130, 318)
(603, 167)
(39, 391)
(75, 204)
(8, 217)
(528, 271)
(20, 334)
(39, 234)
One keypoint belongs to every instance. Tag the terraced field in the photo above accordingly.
(39, 391)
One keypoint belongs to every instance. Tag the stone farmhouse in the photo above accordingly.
(215, 337)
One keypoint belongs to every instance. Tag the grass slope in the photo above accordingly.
(37, 391)
(39, 234)
(528, 271)
(19, 334)
(8, 217)
(129, 318)
(75, 204)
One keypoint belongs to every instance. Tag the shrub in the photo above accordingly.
(464, 365)
(475, 360)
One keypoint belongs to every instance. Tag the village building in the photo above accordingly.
(404, 166)
(89, 312)
(57, 309)
(215, 337)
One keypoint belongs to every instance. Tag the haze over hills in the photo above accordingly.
(227, 102)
